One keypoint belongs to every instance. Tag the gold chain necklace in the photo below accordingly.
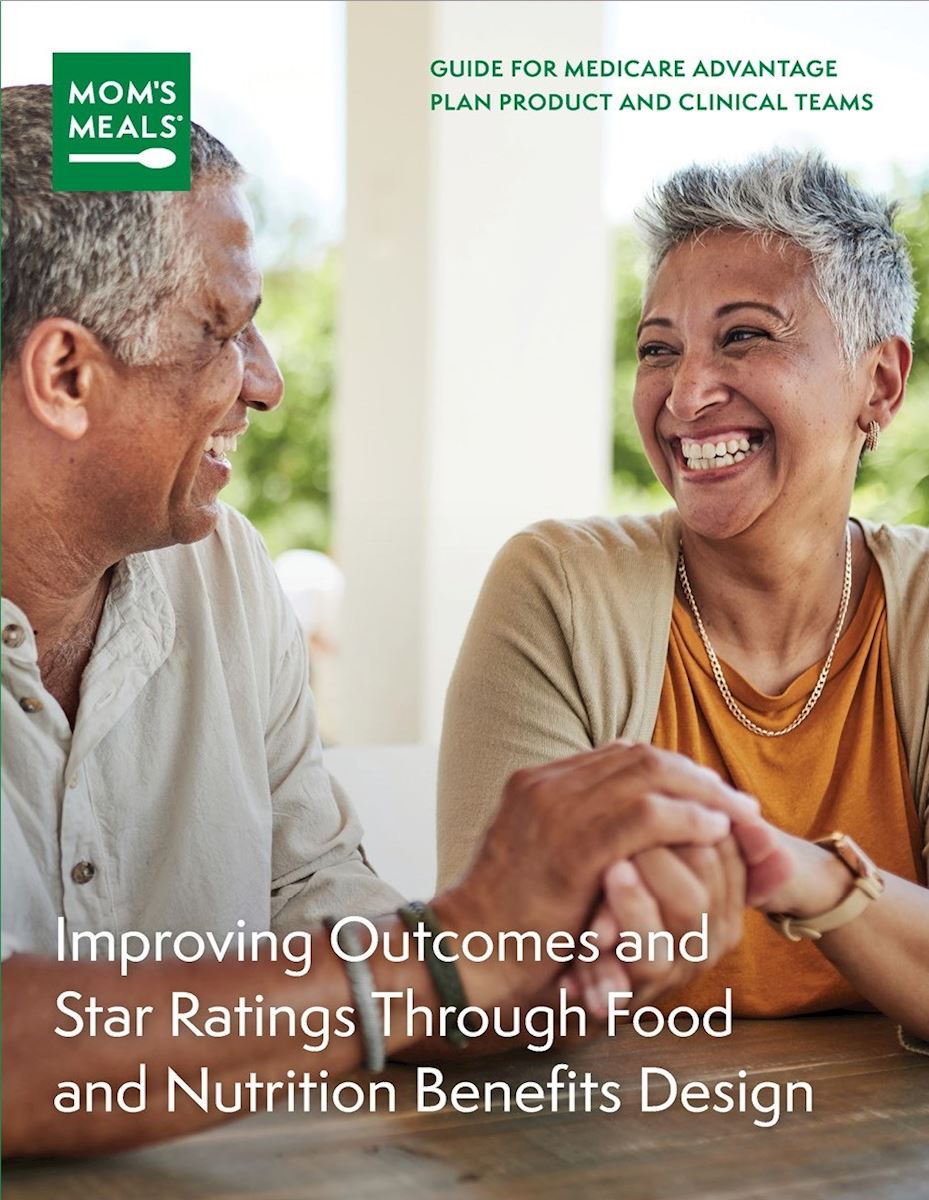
(739, 715)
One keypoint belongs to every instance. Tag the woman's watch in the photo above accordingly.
(867, 886)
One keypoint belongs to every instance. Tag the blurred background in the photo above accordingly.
(452, 296)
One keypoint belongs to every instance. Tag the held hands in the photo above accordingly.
(560, 827)
(671, 889)
(662, 889)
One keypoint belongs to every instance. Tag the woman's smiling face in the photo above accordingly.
(743, 401)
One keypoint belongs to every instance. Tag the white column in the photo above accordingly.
(474, 367)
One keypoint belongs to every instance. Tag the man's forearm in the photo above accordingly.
(539, 869)
(36, 1059)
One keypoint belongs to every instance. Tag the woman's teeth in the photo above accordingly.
(704, 456)
(219, 446)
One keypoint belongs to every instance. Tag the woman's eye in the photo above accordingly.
(744, 335)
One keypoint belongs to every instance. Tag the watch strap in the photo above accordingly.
(797, 929)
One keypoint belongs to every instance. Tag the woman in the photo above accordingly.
(755, 628)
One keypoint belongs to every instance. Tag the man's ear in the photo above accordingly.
(888, 369)
(59, 365)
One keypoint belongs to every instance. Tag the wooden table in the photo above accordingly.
(867, 1137)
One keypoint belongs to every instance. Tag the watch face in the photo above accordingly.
(848, 850)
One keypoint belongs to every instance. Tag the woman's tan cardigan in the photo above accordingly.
(566, 650)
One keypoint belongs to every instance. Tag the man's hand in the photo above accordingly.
(559, 827)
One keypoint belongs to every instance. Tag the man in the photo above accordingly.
(162, 767)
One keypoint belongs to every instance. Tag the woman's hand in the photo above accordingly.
(671, 889)
(662, 889)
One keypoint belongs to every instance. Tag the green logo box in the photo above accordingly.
(121, 122)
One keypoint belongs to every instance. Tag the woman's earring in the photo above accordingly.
(872, 438)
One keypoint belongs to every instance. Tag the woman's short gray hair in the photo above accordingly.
(109, 260)
(861, 268)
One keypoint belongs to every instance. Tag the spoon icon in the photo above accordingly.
(155, 157)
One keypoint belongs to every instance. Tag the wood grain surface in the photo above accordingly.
(866, 1139)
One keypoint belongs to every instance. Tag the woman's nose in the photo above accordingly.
(696, 386)
(262, 382)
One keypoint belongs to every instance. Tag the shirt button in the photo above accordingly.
(83, 872)
(73, 781)
(30, 704)
(13, 635)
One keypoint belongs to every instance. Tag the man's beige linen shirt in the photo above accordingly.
(191, 794)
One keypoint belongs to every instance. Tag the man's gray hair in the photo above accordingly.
(109, 260)
(861, 268)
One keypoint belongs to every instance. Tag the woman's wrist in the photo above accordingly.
(819, 882)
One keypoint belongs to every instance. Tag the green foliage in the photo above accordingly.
(914, 224)
(893, 484)
(635, 486)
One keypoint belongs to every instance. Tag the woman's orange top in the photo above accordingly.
(843, 768)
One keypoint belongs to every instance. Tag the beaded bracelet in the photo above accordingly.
(361, 985)
(444, 974)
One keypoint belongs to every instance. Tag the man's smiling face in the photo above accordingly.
(213, 368)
